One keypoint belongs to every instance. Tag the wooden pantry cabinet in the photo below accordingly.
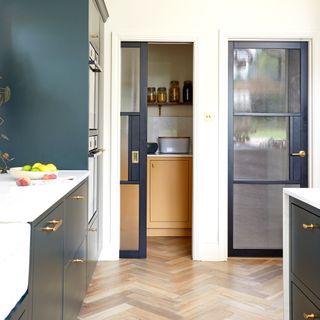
(169, 196)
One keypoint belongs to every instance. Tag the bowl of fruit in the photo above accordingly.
(35, 172)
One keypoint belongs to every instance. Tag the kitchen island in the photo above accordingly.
(21, 208)
(301, 236)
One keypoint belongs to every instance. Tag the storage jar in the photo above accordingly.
(152, 95)
(174, 91)
(187, 91)
(162, 95)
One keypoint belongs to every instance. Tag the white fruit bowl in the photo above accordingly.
(17, 172)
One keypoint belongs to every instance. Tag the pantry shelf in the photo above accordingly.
(168, 104)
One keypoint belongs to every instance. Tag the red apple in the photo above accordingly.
(23, 182)
(49, 176)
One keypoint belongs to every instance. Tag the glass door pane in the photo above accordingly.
(257, 219)
(130, 79)
(267, 80)
(261, 147)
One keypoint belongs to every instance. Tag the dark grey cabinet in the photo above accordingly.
(304, 261)
(58, 266)
(93, 246)
(75, 257)
(75, 283)
(76, 208)
(47, 266)
(20, 312)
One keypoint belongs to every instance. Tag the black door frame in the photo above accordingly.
(141, 173)
(303, 46)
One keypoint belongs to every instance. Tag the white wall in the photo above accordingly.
(211, 23)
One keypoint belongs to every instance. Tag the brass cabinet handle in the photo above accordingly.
(300, 154)
(311, 316)
(77, 197)
(92, 230)
(77, 261)
(52, 226)
(310, 226)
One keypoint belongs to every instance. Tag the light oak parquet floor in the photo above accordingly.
(169, 285)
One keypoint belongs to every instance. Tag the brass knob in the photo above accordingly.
(310, 226)
(300, 154)
(311, 316)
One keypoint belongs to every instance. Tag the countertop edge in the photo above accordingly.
(170, 155)
(310, 196)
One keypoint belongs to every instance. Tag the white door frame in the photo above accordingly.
(313, 39)
(114, 224)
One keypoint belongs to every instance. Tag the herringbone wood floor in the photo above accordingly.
(169, 285)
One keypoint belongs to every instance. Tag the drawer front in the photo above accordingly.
(301, 305)
(92, 252)
(47, 246)
(305, 260)
(75, 220)
(74, 284)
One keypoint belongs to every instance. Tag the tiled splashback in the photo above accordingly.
(169, 127)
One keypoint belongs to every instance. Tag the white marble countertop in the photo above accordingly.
(310, 196)
(25, 204)
(18, 207)
(170, 155)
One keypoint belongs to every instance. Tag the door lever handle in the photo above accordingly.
(300, 154)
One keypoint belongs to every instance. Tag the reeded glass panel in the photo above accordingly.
(124, 142)
(261, 148)
(266, 80)
(130, 79)
(129, 217)
(257, 220)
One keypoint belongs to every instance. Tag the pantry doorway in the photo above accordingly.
(155, 185)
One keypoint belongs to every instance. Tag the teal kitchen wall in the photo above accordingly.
(44, 59)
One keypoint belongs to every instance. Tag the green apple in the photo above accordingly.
(27, 167)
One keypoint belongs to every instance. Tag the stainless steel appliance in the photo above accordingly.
(94, 153)
(94, 70)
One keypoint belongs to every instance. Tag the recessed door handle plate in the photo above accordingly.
(135, 156)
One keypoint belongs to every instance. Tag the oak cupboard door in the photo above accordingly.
(169, 192)
(47, 262)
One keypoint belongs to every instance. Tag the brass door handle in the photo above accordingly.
(77, 261)
(300, 154)
(52, 226)
(77, 197)
(311, 316)
(310, 226)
